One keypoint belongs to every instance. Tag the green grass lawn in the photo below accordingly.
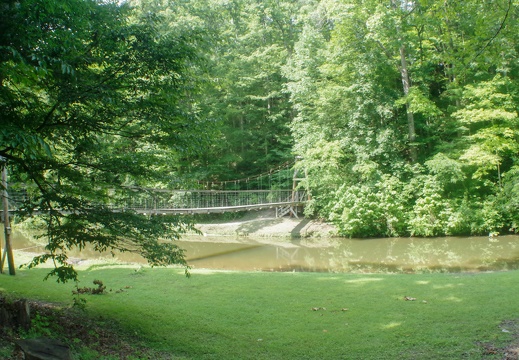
(254, 315)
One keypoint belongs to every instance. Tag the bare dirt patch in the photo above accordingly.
(511, 350)
(265, 224)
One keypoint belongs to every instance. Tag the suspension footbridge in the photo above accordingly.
(214, 201)
(277, 189)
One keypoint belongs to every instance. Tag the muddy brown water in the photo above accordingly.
(446, 254)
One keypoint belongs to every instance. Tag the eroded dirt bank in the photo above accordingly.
(265, 224)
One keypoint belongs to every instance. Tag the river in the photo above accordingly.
(446, 254)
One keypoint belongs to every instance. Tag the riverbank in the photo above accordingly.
(265, 224)
(258, 227)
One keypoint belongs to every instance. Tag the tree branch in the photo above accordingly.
(497, 32)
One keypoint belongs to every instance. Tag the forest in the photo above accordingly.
(403, 113)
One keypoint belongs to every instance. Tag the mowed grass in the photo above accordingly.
(256, 315)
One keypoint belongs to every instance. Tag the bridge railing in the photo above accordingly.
(208, 199)
(143, 200)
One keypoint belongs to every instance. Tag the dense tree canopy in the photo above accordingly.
(413, 107)
(245, 45)
(92, 97)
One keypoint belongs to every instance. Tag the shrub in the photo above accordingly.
(366, 211)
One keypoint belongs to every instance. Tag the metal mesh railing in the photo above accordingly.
(141, 199)
(207, 199)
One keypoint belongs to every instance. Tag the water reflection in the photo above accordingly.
(450, 254)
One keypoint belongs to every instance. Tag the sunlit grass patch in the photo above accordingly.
(257, 315)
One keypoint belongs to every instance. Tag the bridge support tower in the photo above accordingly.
(293, 208)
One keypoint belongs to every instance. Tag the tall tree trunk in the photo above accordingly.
(406, 6)
(410, 116)
(8, 250)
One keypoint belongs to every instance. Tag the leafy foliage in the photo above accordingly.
(369, 211)
(408, 83)
(93, 97)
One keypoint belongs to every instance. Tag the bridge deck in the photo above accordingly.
(221, 209)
